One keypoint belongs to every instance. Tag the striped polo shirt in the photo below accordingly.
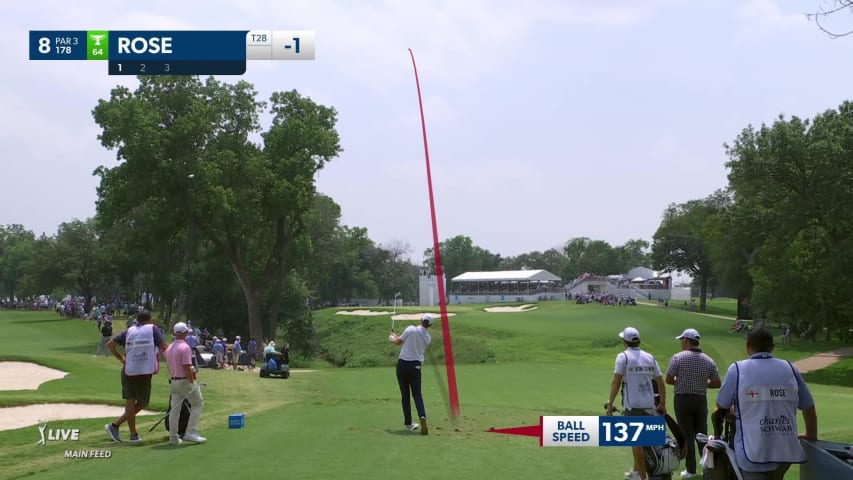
(692, 369)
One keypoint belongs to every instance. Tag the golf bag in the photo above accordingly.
(718, 456)
(184, 418)
(662, 460)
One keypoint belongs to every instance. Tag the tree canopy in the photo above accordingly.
(189, 158)
(793, 182)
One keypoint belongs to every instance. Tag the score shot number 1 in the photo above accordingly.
(280, 45)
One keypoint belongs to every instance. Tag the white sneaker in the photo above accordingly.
(412, 427)
(194, 437)
(686, 474)
(633, 475)
(175, 440)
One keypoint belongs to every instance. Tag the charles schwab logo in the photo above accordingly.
(140, 357)
(57, 434)
(780, 424)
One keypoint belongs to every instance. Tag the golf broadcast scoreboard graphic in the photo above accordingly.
(182, 52)
(591, 431)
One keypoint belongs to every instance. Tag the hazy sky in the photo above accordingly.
(546, 120)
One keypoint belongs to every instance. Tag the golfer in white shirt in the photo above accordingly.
(414, 341)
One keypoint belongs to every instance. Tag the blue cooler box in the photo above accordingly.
(237, 420)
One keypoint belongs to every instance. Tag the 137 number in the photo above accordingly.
(621, 431)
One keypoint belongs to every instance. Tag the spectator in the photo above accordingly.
(106, 333)
(236, 350)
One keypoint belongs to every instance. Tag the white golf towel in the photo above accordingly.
(707, 460)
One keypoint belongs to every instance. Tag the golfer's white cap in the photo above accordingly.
(238, 337)
(180, 327)
(630, 334)
(427, 318)
(690, 333)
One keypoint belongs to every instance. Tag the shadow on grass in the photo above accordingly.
(44, 320)
(404, 433)
(163, 444)
(806, 346)
(90, 349)
(839, 374)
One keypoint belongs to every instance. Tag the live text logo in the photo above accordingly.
(57, 434)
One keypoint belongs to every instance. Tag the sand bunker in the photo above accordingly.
(522, 308)
(26, 376)
(417, 316)
(24, 416)
(362, 313)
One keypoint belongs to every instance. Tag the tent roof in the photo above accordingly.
(507, 275)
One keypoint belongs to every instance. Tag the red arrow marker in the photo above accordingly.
(525, 431)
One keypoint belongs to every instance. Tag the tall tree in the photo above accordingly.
(460, 255)
(795, 177)
(78, 254)
(552, 260)
(391, 270)
(186, 147)
(634, 253)
(584, 255)
(16, 245)
(681, 243)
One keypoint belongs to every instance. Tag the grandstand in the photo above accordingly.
(640, 283)
(505, 286)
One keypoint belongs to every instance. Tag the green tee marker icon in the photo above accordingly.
(97, 45)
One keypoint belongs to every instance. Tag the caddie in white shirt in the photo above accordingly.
(414, 341)
(636, 374)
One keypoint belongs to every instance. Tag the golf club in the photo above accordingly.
(168, 410)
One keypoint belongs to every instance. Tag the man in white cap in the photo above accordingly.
(637, 374)
(693, 373)
(414, 341)
(182, 385)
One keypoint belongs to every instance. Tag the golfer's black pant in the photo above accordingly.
(691, 412)
(409, 379)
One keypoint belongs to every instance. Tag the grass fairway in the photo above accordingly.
(346, 422)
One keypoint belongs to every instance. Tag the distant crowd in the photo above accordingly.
(613, 300)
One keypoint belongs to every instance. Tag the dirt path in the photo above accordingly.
(823, 360)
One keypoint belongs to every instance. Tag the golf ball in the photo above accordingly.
(391, 338)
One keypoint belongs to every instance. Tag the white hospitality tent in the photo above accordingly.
(507, 282)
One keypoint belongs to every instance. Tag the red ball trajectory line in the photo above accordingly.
(442, 299)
